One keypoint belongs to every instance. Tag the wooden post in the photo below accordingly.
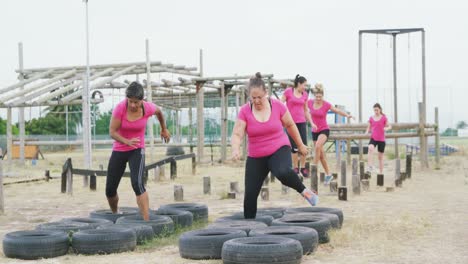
(2, 203)
(397, 170)
(343, 193)
(231, 195)
(313, 177)
(437, 139)
(190, 115)
(356, 181)
(206, 185)
(223, 124)
(178, 193)
(244, 142)
(333, 186)
(361, 170)
(200, 121)
(348, 146)
(9, 137)
(403, 176)
(265, 193)
(365, 185)
(360, 91)
(194, 162)
(149, 98)
(322, 177)
(47, 175)
(408, 165)
(395, 91)
(69, 174)
(272, 177)
(173, 169)
(63, 187)
(335, 176)
(422, 136)
(92, 182)
(354, 166)
(156, 173)
(22, 134)
(234, 187)
(380, 180)
(343, 173)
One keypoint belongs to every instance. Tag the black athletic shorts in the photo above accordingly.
(117, 164)
(325, 132)
(302, 127)
(379, 144)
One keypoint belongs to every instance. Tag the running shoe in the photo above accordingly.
(311, 197)
(296, 170)
(328, 179)
(305, 172)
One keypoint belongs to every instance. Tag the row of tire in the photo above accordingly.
(102, 233)
(276, 235)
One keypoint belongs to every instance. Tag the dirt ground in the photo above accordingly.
(425, 221)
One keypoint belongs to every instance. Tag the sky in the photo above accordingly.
(317, 39)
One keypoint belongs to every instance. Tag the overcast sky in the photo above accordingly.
(317, 39)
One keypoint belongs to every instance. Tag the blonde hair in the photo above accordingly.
(318, 88)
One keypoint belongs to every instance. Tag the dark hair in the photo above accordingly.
(299, 80)
(135, 90)
(257, 81)
(379, 107)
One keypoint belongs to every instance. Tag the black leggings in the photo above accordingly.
(257, 169)
(302, 127)
(118, 163)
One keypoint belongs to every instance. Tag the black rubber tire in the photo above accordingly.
(174, 151)
(104, 241)
(262, 250)
(67, 228)
(199, 211)
(307, 236)
(180, 218)
(108, 215)
(245, 225)
(316, 209)
(334, 219)
(35, 244)
(266, 219)
(92, 222)
(206, 243)
(320, 224)
(162, 225)
(275, 212)
(143, 233)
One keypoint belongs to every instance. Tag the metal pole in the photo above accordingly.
(22, 133)
(9, 138)
(66, 121)
(437, 138)
(85, 106)
(423, 44)
(149, 98)
(200, 118)
(395, 96)
(360, 91)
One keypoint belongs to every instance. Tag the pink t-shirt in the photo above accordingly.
(296, 105)
(132, 129)
(378, 128)
(265, 137)
(319, 116)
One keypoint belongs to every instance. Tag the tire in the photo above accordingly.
(199, 211)
(307, 236)
(180, 218)
(67, 228)
(143, 233)
(315, 209)
(266, 219)
(108, 215)
(334, 219)
(104, 241)
(92, 222)
(206, 243)
(35, 244)
(174, 150)
(320, 224)
(162, 225)
(262, 250)
(245, 225)
(275, 212)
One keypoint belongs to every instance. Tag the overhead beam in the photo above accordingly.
(26, 81)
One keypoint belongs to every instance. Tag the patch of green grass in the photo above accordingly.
(172, 239)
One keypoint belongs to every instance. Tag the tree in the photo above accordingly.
(47, 125)
(102, 123)
(450, 132)
(462, 125)
(3, 130)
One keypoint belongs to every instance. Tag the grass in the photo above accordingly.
(172, 239)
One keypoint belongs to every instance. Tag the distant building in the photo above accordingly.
(463, 132)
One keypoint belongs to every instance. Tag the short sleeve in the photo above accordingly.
(119, 110)
(282, 108)
(150, 108)
(385, 120)
(305, 96)
(327, 106)
(242, 115)
(310, 104)
(370, 120)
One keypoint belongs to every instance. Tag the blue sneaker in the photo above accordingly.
(310, 197)
(328, 179)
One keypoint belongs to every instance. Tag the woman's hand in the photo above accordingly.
(133, 142)
(165, 135)
(235, 154)
(314, 127)
(303, 150)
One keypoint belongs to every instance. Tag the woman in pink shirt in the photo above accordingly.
(127, 128)
(378, 124)
(296, 100)
(263, 119)
(320, 133)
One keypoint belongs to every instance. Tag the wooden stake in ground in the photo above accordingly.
(178, 193)
(265, 193)
(2, 208)
(206, 185)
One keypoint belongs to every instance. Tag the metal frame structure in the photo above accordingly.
(394, 33)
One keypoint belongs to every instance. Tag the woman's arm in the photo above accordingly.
(238, 133)
(309, 117)
(283, 98)
(114, 127)
(368, 128)
(340, 112)
(291, 127)
(165, 134)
